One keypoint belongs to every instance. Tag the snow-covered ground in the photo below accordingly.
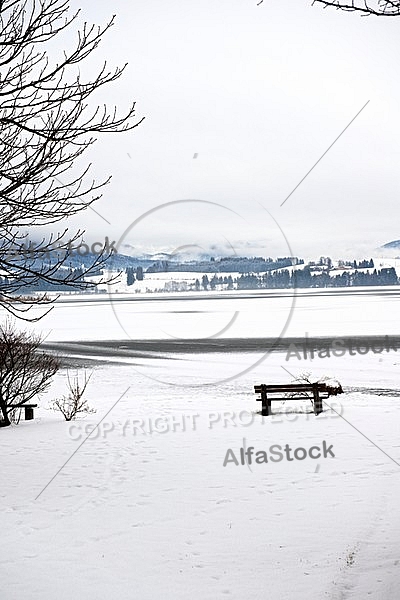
(145, 508)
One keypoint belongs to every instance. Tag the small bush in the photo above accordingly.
(73, 403)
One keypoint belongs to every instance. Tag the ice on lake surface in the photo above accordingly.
(238, 318)
(339, 312)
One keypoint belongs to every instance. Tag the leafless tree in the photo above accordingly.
(379, 8)
(25, 370)
(73, 403)
(48, 119)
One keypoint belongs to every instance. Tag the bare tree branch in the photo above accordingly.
(47, 122)
(25, 370)
(379, 8)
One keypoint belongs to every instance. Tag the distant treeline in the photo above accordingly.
(305, 278)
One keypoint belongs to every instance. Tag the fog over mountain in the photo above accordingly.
(241, 101)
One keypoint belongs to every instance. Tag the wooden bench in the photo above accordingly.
(297, 391)
(28, 408)
(28, 411)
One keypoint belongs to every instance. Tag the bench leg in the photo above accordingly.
(28, 413)
(266, 404)
(317, 401)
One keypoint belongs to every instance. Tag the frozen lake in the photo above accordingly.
(247, 314)
(137, 330)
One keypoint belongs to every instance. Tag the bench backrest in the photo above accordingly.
(295, 387)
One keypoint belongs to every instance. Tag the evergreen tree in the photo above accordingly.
(130, 276)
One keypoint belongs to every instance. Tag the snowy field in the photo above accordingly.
(145, 508)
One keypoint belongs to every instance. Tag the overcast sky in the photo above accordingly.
(240, 101)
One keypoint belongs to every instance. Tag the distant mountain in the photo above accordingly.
(229, 264)
(115, 261)
(391, 245)
(181, 260)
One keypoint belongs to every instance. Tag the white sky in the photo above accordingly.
(259, 92)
